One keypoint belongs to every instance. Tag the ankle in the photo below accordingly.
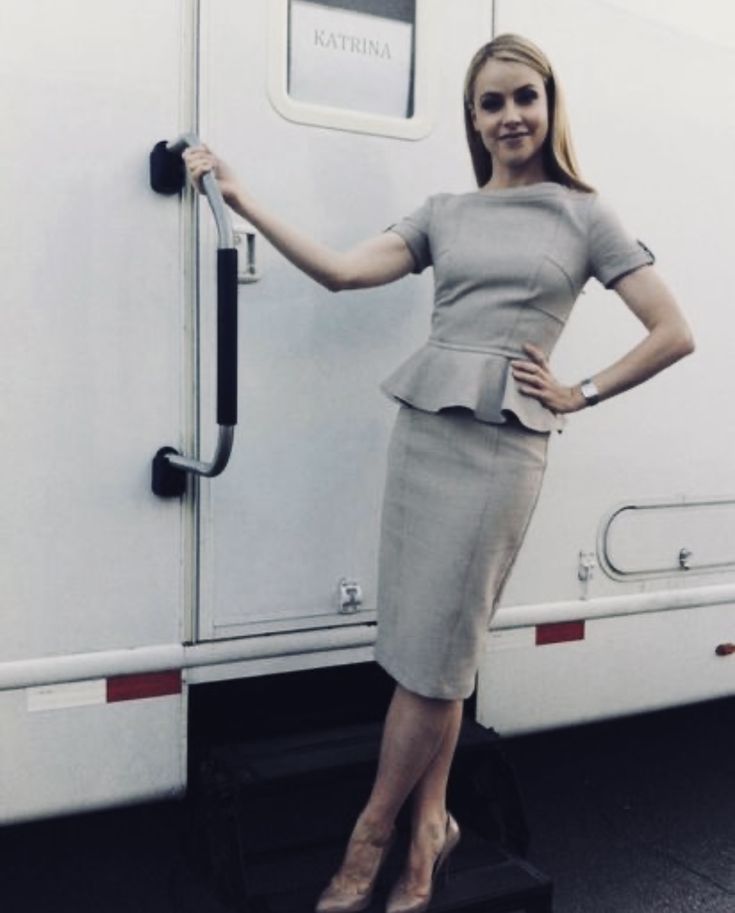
(374, 828)
(429, 823)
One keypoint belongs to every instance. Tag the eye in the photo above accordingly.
(527, 96)
(491, 103)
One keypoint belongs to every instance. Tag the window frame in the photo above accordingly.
(416, 127)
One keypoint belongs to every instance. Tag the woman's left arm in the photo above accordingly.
(669, 339)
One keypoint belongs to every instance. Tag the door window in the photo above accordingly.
(351, 65)
(352, 54)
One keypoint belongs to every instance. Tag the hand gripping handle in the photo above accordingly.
(169, 466)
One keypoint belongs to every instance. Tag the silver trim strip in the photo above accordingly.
(78, 667)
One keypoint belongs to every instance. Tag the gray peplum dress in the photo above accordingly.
(468, 450)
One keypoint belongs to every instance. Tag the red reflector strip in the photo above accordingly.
(559, 632)
(150, 684)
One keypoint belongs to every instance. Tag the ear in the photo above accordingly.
(473, 115)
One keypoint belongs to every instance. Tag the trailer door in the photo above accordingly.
(341, 117)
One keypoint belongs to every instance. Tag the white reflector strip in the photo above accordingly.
(70, 694)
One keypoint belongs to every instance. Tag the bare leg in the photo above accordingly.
(415, 732)
(429, 810)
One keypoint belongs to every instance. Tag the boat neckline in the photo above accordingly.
(522, 189)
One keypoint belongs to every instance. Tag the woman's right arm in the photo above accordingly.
(376, 261)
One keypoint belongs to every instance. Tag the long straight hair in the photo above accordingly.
(558, 152)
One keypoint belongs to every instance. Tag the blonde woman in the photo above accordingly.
(477, 405)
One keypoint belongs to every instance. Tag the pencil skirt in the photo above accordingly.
(458, 499)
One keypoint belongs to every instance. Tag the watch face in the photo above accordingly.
(590, 392)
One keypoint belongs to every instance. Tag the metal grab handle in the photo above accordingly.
(211, 189)
(169, 466)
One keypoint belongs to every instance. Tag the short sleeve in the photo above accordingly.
(612, 251)
(415, 229)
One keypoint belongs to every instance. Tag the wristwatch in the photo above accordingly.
(589, 391)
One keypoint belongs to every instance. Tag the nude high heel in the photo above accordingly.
(402, 901)
(334, 899)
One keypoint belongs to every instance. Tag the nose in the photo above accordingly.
(511, 114)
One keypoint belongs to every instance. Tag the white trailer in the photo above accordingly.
(342, 116)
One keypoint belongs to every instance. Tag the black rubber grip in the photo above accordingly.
(227, 336)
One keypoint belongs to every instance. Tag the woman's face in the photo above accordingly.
(510, 113)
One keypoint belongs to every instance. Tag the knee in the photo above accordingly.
(424, 700)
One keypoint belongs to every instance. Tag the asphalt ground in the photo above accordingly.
(635, 815)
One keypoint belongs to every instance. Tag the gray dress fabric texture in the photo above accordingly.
(468, 450)
(508, 267)
(458, 498)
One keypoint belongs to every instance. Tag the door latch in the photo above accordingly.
(244, 239)
(350, 596)
(586, 566)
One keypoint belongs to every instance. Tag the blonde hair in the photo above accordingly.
(558, 151)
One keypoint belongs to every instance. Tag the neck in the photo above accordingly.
(503, 177)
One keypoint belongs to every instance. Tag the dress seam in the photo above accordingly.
(532, 278)
(502, 352)
(510, 562)
(400, 566)
(468, 566)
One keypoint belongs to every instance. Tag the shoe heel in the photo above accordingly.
(330, 902)
(441, 866)
(445, 873)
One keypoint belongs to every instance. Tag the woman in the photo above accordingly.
(478, 403)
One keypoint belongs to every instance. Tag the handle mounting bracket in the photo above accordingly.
(168, 481)
(167, 172)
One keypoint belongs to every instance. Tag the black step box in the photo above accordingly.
(276, 813)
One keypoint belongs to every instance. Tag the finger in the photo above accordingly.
(533, 376)
(196, 153)
(200, 168)
(533, 349)
(532, 391)
(524, 366)
(194, 161)
(191, 164)
(533, 373)
(536, 354)
(195, 174)
(202, 147)
(527, 371)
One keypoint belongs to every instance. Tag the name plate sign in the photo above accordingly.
(347, 59)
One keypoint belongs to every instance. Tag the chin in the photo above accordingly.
(516, 161)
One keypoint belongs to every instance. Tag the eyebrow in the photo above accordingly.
(528, 85)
